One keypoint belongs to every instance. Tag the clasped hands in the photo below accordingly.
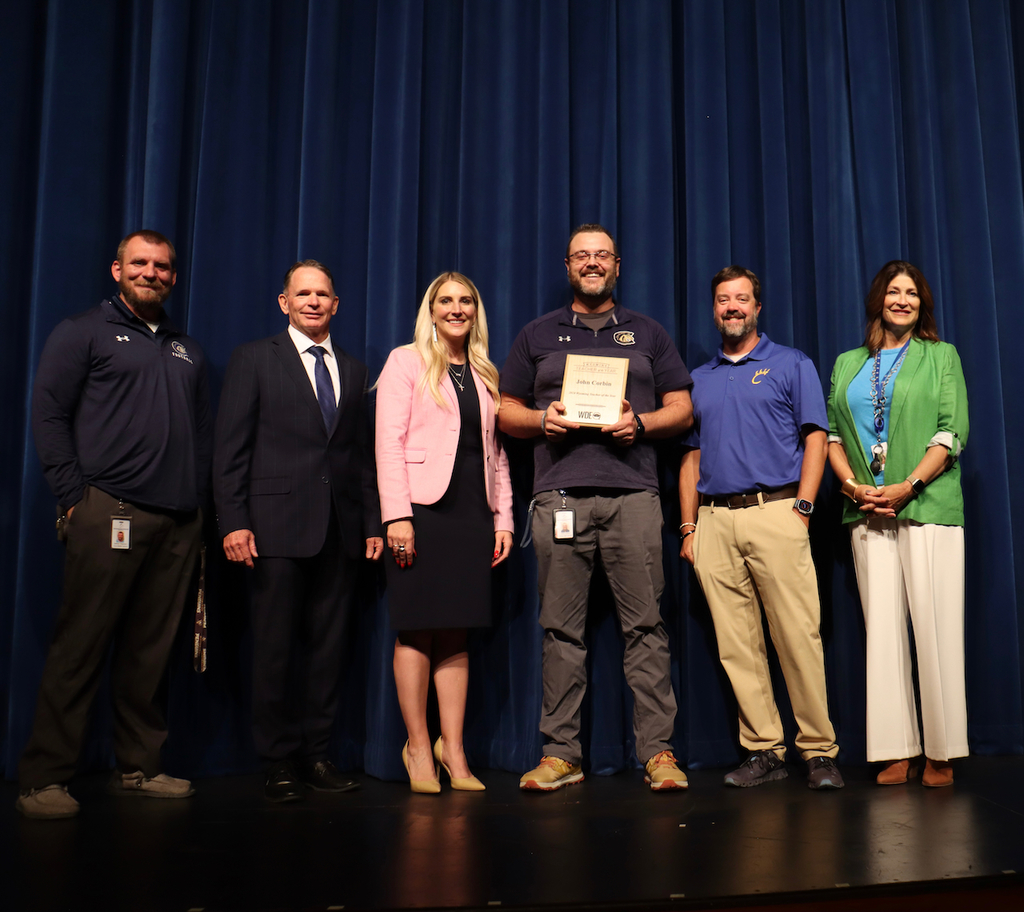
(886, 500)
(556, 425)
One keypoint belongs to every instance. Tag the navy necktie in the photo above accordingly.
(324, 387)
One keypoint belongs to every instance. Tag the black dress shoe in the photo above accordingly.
(282, 784)
(325, 777)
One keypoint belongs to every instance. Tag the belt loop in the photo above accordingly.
(760, 500)
(712, 505)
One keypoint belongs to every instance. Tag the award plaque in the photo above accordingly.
(593, 388)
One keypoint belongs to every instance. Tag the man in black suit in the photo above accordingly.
(296, 501)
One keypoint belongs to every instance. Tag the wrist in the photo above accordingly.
(849, 488)
(544, 422)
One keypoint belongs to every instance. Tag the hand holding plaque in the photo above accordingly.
(593, 388)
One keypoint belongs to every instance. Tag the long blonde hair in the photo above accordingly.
(435, 353)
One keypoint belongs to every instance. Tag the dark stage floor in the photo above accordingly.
(605, 843)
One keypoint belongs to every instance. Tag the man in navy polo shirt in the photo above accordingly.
(604, 482)
(747, 485)
(121, 419)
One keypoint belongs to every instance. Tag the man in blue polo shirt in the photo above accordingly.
(603, 486)
(747, 485)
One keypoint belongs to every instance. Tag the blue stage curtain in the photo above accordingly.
(811, 141)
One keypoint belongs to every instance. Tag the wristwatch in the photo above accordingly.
(804, 507)
(640, 429)
(917, 485)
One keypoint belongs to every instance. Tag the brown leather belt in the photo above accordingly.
(739, 501)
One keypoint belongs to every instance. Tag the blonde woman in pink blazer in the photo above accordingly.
(446, 503)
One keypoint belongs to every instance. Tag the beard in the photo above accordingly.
(147, 307)
(736, 330)
(602, 293)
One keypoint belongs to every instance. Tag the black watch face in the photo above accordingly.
(804, 507)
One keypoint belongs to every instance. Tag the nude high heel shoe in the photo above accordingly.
(421, 786)
(472, 784)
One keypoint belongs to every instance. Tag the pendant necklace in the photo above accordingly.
(459, 378)
(878, 401)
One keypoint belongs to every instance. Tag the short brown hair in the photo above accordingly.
(306, 264)
(591, 228)
(736, 272)
(150, 237)
(924, 328)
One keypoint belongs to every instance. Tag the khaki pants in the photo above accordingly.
(761, 556)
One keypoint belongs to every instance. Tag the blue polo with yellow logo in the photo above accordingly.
(534, 371)
(749, 418)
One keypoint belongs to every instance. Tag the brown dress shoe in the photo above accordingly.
(896, 772)
(937, 773)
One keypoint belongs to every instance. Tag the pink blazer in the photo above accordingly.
(416, 441)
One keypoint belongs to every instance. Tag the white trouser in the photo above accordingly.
(902, 567)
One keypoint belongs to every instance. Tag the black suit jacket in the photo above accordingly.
(276, 468)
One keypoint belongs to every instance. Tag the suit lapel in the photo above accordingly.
(350, 385)
(448, 388)
(904, 379)
(285, 350)
(483, 394)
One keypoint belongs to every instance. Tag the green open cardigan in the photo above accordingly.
(929, 395)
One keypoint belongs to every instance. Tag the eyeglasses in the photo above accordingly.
(581, 256)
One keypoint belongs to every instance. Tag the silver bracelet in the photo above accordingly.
(543, 422)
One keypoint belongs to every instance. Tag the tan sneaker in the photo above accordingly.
(160, 786)
(552, 773)
(664, 773)
(51, 802)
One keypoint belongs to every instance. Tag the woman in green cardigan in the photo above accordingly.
(897, 423)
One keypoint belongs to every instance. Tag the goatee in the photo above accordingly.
(148, 308)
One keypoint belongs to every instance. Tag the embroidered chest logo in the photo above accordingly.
(565, 338)
(624, 337)
(763, 372)
(122, 338)
(179, 351)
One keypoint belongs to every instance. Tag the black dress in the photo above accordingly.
(449, 582)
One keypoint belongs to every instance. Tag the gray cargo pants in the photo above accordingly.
(625, 529)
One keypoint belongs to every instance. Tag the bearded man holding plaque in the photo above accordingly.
(596, 496)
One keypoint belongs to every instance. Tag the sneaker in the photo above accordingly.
(51, 802)
(552, 773)
(664, 773)
(822, 773)
(160, 786)
(760, 767)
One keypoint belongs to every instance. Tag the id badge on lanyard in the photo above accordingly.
(121, 529)
(564, 522)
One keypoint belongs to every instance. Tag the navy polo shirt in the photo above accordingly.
(123, 408)
(534, 370)
(749, 417)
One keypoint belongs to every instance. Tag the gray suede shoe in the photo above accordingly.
(51, 802)
(160, 786)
